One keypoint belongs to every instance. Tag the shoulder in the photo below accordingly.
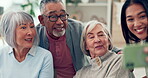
(43, 55)
(75, 26)
(84, 69)
(41, 32)
(72, 22)
(43, 51)
(40, 49)
(40, 28)
(5, 49)
(117, 55)
(80, 73)
(115, 58)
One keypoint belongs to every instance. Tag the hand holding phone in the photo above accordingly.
(134, 56)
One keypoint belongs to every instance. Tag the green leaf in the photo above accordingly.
(32, 12)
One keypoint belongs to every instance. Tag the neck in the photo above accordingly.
(55, 38)
(20, 53)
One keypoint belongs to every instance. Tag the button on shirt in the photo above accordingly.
(62, 58)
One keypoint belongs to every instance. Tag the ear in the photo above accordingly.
(110, 46)
(41, 19)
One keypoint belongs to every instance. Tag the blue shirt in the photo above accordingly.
(37, 64)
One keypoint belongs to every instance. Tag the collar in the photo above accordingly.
(100, 59)
(31, 52)
(10, 50)
(142, 41)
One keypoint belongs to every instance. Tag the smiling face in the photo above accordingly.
(97, 41)
(25, 34)
(137, 20)
(55, 29)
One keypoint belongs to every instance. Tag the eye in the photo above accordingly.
(130, 19)
(63, 15)
(90, 36)
(53, 16)
(31, 26)
(102, 34)
(143, 16)
(23, 27)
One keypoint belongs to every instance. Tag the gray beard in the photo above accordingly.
(58, 34)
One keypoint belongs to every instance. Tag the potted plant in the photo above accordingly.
(32, 5)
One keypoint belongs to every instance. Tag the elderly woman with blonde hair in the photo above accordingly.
(96, 43)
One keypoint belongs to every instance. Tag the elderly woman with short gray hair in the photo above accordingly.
(22, 58)
(96, 43)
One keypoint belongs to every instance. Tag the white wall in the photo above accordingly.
(5, 3)
(15, 5)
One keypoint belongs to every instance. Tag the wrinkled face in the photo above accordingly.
(137, 21)
(57, 28)
(25, 34)
(97, 41)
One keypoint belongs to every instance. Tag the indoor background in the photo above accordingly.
(107, 11)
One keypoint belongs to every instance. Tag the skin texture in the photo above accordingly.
(97, 41)
(25, 34)
(54, 29)
(137, 20)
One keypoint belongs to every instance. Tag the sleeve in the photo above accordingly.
(118, 71)
(124, 73)
(78, 73)
(47, 70)
(41, 32)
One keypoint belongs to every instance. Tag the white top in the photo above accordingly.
(2, 43)
(37, 64)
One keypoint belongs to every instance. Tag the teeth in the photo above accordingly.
(60, 28)
(28, 39)
(62, 25)
(139, 30)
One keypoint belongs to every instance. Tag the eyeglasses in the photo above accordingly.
(54, 18)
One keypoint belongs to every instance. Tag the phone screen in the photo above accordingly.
(134, 56)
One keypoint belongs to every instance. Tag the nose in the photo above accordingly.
(59, 21)
(29, 32)
(97, 39)
(137, 23)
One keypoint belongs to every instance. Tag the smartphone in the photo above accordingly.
(133, 56)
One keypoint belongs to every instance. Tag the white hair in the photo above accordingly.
(88, 27)
(8, 24)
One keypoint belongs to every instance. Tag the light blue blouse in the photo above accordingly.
(37, 64)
